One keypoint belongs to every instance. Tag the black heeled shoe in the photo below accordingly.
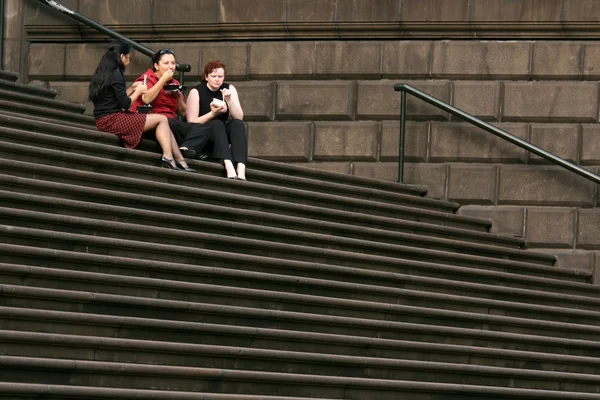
(188, 153)
(181, 167)
(166, 163)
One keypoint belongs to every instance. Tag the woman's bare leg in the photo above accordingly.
(163, 133)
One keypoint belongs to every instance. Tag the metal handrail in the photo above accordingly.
(405, 88)
(93, 24)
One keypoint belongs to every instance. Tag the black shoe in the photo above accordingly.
(200, 157)
(241, 179)
(166, 163)
(181, 167)
(187, 153)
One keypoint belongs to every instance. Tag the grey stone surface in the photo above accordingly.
(581, 260)
(307, 100)
(406, 59)
(74, 92)
(556, 60)
(580, 10)
(588, 229)
(590, 144)
(233, 55)
(245, 11)
(88, 56)
(506, 220)
(464, 142)
(310, 10)
(348, 59)
(480, 99)
(284, 141)
(13, 20)
(562, 140)
(551, 101)
(47, 61)
(517, 11)
(544, 185)
(167, 12)
(591, 61)
(364, 10)
(481, 60)
(257, 100)
(287, 60)
(552, 227)
(382, 171)
(115, 12)
(337, 167)
(415, 141)
(434, 176)
(378, 100)
(434, 10)
(36, 13)
(346, 140)
(472, 183)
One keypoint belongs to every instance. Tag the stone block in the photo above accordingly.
(364, 10)
(550, 101)
(351, 59)
(47, 61)
(326, 100)
(415, 141)
(248, 11)
(406, 59)
(12, 57)
(283, 60)
(556, 60)
(434, 176)
(36, 13)
(590, 144)
(481, 60)
(480, 99)
(281, 141)
(83, 59)
(13, 19)
(559, 139)
(376, 170)
(167, 12)
(72, 92)
(472, 184)
(336, 167)
(346, 140)
(517, 11)
(462, 142)
(378, 100)
(117, 12)
(435, 10)
(233, 55)
(581, 260)
(588, 229)
(552, 227)
(310, 11)
(257, 100)
(544, 185)
(506, 220)
(591, 61)
(580, 10)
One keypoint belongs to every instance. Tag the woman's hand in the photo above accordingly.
(140, 88)
(226, 94)
(216, 109)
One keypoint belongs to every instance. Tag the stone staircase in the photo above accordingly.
(122, 280)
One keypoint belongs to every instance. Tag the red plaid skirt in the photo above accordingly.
(127, 125)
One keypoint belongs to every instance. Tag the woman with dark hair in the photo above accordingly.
(166, 98)
(213, 102)
(112, 101)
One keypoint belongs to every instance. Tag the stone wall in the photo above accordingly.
(316, 82)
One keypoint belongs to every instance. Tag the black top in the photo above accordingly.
(114, 98)
(206, 97)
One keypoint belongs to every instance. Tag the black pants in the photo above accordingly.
(235, 132)
(201, 138)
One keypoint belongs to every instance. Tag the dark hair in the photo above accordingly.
(110, 61)
(211, 66)
(158, 55)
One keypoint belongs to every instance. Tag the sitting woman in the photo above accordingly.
(112, 101)
(203, 108)
(165, 96)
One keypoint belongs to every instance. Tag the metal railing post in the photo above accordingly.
(402, 135)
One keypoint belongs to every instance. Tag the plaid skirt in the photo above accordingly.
(127, 125)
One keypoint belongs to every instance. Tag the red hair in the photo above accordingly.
(212, 65)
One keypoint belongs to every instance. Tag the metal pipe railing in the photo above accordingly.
(109, 32)
(405, 88)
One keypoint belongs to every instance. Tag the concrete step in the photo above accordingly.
(297, 313)
(66, 114)
(8, 76)
(123, 351)
(40, 92)
(475, 347)
(101, 237)
(341, 237)
(19, 136)
(309, 278)
(200, 379)
(414, 306)
(24, 95)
